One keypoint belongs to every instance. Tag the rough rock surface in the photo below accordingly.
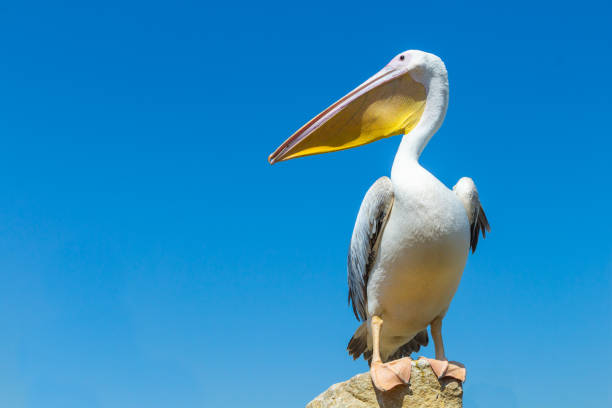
(424, 391)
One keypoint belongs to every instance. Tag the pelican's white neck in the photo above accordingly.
(435, 81)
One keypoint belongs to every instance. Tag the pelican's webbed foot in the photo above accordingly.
(386, 376)
(447, 369)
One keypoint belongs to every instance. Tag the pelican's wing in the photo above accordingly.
(467, 193)
(371, 220)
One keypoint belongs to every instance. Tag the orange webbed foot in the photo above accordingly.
(447, 369)
(386, 376)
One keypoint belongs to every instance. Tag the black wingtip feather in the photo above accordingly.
(480, 226)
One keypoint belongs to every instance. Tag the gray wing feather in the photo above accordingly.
(371, 220)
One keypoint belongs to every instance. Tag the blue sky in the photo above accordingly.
(150, 256)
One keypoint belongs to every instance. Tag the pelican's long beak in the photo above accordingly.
(389, 103)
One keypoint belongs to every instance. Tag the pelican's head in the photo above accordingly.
(390, 103)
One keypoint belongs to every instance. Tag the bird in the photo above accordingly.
(412, 234)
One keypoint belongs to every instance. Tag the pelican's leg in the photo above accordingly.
(436, 334)
(441, 366)
(386, 375)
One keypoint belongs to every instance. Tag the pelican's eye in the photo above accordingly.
(402, 57)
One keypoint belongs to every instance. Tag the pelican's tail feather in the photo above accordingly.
(358, 344)
(414, 345)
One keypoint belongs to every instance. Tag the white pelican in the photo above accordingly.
(413, 234)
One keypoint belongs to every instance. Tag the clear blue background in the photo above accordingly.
(151, 257)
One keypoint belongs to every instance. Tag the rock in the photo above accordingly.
(424, 391)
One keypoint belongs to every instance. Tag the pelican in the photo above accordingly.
(412, 234)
